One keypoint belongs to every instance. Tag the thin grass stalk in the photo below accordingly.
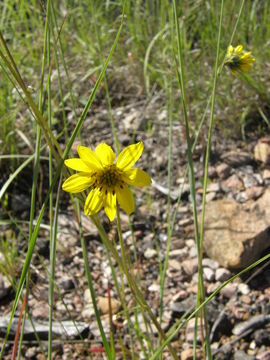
(52, 217)
(91, 287)
(111, 322)
(205, 179)
(181, 324)
(180, 75)
(52, 266)
(58, 40)
(168, 247)
(36, 166)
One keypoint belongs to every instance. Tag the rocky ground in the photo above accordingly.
(236, 234)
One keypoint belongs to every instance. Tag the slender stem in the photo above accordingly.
(205, 180)
(131, 282)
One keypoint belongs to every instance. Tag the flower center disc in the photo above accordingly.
(109, 177)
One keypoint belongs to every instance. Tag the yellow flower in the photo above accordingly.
(108, 179)
(238, 60)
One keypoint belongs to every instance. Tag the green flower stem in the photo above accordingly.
(91, 288)
(131, 282)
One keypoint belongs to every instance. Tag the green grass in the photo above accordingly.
(60, 61)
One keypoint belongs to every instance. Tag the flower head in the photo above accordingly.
(238, 60)
(109, 179)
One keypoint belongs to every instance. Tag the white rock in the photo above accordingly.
(179, 253)
(209, 274)
(212, 264)
(243, 289)
(190, 243)
(154, 287)
(193, 252)
(150, 253)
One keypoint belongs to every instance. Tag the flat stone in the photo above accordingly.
(236, 235)
(62, 329)
(179, 253)
(236, 158)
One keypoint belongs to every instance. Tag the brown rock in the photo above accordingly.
(190, 266)
(103, 305)
(235, 235)
(187, 354)
(223, 170)
(233, 183)
(262, 152)
(253, 192)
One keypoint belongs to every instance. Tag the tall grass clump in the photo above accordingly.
(62, 66)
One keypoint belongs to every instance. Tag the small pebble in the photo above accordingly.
(222, 274)
(150, 253)
(243, 289)
(208, 274)
(212, 264)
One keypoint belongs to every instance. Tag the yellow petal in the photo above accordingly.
(129, 156)
(105, 154)
(77, 164)
(93, 202)
(110, 205)
(89, 157)
(136, 177)
(125, 199)
(77, 183)
(230, 49)
(239, 49)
